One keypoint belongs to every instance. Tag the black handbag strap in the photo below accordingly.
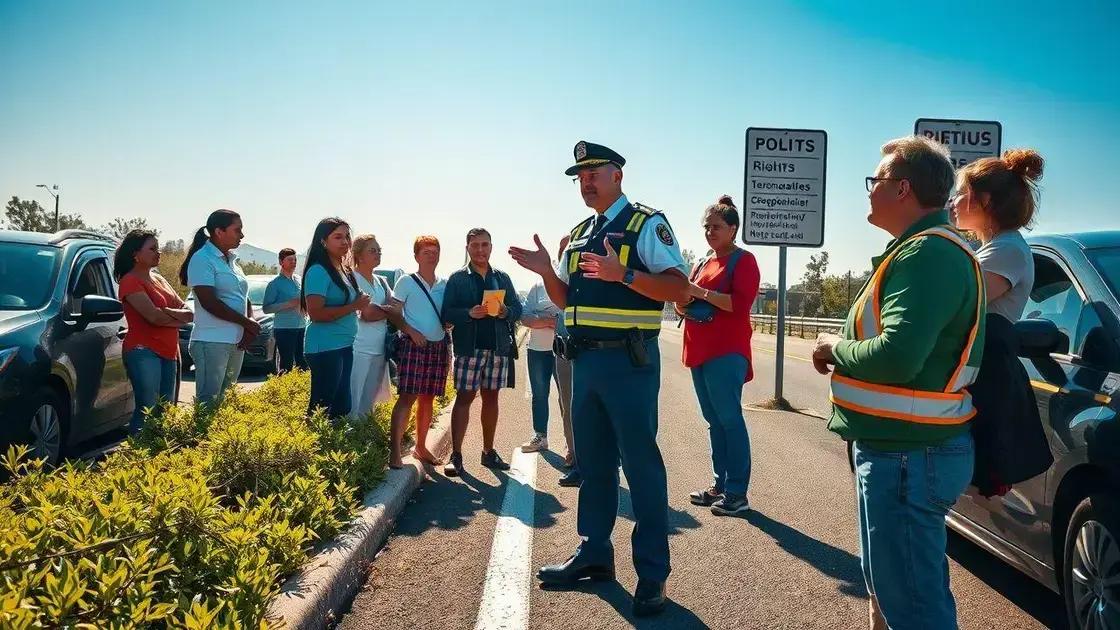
(416, 279)
(731, 263)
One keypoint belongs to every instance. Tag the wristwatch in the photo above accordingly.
(628, 277)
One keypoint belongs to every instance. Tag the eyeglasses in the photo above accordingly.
(870, 181)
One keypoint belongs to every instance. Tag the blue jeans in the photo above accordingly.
(289, 343)
(216, 368)
(719, 389)
(153, 381)
(903, 499)
(542, 364)
(330, 381)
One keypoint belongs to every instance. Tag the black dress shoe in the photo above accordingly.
(575, 570)
(491, 460)
(649, 598)
(572, 479)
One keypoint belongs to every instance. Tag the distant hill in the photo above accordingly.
(252, 253)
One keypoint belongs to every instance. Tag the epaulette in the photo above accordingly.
(644, 209)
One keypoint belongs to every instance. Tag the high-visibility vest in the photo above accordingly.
(948, 406)
(607, 310)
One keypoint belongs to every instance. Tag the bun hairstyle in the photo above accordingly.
(726, 210)
(1011, 183)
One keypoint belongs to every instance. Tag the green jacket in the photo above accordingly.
(928, 305)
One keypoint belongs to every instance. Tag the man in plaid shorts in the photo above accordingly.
(484, 346)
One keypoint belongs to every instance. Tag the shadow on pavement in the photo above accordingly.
(678, 519)
(1031, 597)
(831, 561)
(449, 504)
(674, 615)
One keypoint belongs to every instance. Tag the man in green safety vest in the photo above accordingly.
(910, 346)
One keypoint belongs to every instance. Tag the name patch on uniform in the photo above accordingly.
(663, 234)
(615, 235)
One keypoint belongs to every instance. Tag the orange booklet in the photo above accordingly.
(492, 299)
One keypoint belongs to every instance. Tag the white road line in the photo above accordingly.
(505, 594)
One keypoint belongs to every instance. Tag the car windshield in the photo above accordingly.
(27, 274)
(1107, 262)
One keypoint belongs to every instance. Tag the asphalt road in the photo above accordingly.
(792, 564)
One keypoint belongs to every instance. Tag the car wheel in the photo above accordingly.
(47, 427)
(1091, 571)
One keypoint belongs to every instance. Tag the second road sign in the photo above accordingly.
(783, 187)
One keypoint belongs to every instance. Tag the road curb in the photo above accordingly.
(329, 579)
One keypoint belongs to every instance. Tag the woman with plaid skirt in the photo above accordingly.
(423, 350)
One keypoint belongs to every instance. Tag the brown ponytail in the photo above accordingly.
(1011, 183)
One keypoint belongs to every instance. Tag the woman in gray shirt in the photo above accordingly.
(996, 198)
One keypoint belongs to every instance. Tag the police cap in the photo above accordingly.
(590, 155)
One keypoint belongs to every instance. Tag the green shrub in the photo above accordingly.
(193, 524)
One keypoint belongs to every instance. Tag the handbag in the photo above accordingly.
(702, 311)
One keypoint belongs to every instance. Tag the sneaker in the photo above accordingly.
(493, 462)
(454, 467)
(538, 443)
(705, 497)
(731, 505)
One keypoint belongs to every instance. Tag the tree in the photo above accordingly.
(119, 227)
(813, 283)
(29, 216)
(177, 246)
(255, 268)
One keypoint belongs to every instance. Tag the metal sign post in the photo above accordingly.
(783, 193)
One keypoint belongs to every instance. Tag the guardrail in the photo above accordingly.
(796, 325)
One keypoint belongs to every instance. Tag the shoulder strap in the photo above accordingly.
(419, 283)
(697, 268)
(731, 263)
(385, 286)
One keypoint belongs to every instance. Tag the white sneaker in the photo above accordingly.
(538, 443)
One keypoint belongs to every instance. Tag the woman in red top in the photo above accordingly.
(719, 354)
(154, 313)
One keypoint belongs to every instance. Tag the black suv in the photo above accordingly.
(62, 377)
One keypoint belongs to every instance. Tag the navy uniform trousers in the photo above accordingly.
(614, 413)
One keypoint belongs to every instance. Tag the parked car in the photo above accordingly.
(62, 376)
(261, 353)
(1063, 527)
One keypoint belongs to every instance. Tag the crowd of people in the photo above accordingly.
(901, 371)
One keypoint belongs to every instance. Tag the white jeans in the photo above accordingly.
(369, 382)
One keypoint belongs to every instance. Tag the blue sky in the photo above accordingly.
(428, 117)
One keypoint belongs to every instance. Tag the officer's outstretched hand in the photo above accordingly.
(538, 261)
(606, 268)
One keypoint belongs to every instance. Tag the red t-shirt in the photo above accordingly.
(728, 332)
(162, 340)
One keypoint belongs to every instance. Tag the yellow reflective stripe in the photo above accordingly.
(624, 254)
(899, 403)
(594, 323)
(638, 312)
(633, 220)
(636, 223)
(612, 317)
(573, 263)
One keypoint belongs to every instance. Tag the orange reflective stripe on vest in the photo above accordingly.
(951, 405)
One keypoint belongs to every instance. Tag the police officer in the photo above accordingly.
(621, 265)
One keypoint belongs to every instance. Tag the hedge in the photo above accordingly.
(194, 523)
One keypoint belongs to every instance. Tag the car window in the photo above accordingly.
(1107, 262)
(92, 279)
(1054, 296)
(27, 275)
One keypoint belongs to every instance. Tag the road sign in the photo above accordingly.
(783, 187)
(968, 140)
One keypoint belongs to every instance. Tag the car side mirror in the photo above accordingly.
(1039, 338)
(100, 309)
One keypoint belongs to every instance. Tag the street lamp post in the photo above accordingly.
(53, 190)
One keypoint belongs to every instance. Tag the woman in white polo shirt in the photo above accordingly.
(223, 318)
(369, 376)
(423, 350)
